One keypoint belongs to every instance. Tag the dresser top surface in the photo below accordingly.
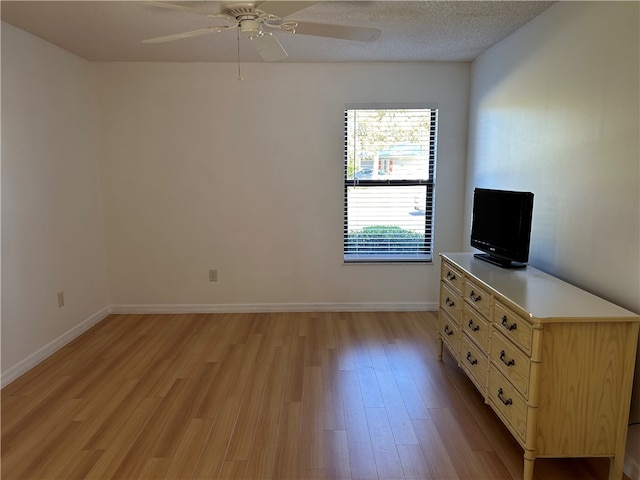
(540, 294)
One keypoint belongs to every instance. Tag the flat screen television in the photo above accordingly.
(501, 226)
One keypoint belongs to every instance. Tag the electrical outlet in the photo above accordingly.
(60, 298)
(213, 275)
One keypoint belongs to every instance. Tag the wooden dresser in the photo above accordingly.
(553, 361)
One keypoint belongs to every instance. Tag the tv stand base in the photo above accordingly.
(497, 261)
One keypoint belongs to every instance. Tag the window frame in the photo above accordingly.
(426, 255)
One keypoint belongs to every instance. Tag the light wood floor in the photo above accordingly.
(259, 396)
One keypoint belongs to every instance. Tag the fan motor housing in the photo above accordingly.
(239, 10)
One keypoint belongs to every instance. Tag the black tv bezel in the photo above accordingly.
(501, 255)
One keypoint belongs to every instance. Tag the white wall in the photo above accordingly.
(203, 171)
(555, 110)
(52, 224)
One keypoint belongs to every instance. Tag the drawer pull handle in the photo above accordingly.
(470, 359)
(449, 302)
(451, 276)
(506, 401)
(474, 328)
(474, 297)
(447, 330)
(513, 326)
(508, 363)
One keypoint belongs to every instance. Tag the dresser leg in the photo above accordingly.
(440, 347)
(616, 467)
(528, 468)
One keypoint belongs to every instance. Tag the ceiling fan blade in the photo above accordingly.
(179, 36)
(360, 34)
(282, 9)
(269, 47)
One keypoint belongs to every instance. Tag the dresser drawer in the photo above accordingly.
(476, 327)
(452, 276)
(510, 360)
(474, 362)
(477, 296)
(450, 334)
(450, 302)
(514, 326)
(510, 406)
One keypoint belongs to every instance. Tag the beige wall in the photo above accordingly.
(203, 171)
(52, 225)
(555, 110)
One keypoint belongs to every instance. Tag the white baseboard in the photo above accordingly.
(35, 358)
(275, 307)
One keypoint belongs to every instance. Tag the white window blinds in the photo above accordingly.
(389, 183)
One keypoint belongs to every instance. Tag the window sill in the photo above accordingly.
(352, 259)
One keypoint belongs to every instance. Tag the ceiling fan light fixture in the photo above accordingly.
(250, 27)
(261, 33)
(288, 27)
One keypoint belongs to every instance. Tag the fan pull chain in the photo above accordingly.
(239, 73)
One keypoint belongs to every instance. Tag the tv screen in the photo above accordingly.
(501, 226)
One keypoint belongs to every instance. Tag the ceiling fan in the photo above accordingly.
(258, 20)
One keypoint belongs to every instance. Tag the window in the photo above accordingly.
(389, 168)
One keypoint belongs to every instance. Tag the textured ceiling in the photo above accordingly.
(411, 31)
